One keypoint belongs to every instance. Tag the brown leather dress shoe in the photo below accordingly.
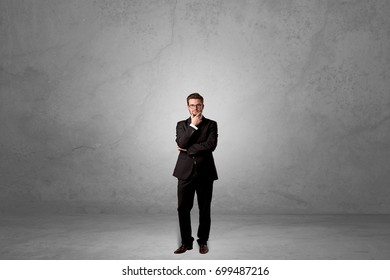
(203, 249)
(183, 248)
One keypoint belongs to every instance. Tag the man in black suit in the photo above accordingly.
(196, 139)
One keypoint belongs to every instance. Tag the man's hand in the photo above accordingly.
(195, 120)
(181, 149)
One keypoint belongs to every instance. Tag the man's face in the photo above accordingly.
(195, 106)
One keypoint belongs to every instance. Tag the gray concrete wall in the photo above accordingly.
(91, 92)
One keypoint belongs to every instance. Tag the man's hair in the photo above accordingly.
(194, 96)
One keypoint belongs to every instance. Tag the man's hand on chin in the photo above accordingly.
(196, 119)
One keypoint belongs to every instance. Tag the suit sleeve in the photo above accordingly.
(209, 145)
(183, 135)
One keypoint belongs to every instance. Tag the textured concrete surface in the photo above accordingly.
(274, 237)
(91, 92)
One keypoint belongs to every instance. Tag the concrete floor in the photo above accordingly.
(146, 236)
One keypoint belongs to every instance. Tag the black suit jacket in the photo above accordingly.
(199, 144)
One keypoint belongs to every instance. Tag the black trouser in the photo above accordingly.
(185, 192)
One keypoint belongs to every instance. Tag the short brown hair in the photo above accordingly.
(194, 95)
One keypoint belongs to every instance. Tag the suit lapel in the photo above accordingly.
(203, 122)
